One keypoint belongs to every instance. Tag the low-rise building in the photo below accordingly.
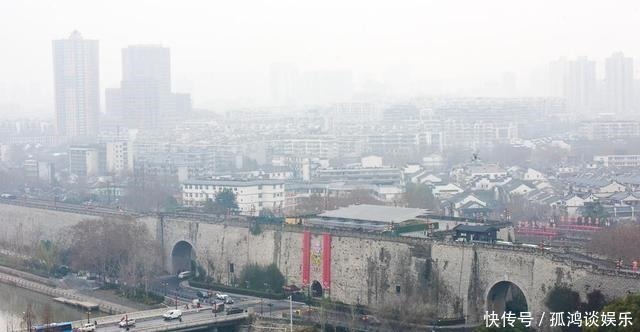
(618, 160)
(86, 160)
(252, 196)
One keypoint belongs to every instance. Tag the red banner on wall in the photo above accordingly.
(326, 261)
(306, 256)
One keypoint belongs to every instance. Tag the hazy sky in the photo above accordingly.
(223, 48)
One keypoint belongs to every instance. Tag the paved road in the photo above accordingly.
(187, 294)
(148, 323)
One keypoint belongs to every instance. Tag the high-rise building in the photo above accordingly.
(575, 81)
(76, 83)
(283, 80)
(580, 85)
(145, 93)
(557, 77)
(619, 83)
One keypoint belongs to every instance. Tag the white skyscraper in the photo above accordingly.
(619, 83)
(76, 83)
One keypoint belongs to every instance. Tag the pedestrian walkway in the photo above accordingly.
(105, 306)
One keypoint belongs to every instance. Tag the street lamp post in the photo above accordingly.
(291, 312)
(88, 316)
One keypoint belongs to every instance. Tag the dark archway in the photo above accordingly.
(181, 256)
(506, 296)
(316, 289)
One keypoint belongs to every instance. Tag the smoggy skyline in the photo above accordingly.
(224, 51)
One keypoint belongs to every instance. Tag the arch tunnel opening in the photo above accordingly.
(506, 296)
(181, 257)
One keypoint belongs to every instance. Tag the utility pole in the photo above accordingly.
(291, 312)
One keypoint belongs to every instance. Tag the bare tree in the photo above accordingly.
(519, 208)
(28, 317)
(405, 314)
(117, 248)
(618, 242)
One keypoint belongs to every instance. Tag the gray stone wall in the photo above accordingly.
(449, 279)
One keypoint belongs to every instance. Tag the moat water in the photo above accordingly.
(14, 301)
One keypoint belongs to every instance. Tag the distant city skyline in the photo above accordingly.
(223, 52)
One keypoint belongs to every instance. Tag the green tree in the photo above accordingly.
(562, 299)
(629, 304)
(262, 278)
(595, 301)
(594, 210)
(226, 199)
(170, 204)
(517, 327)
(419, 195)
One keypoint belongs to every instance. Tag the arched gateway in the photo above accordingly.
(181, 257)
(506, 296)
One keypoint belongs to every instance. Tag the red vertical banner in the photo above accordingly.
(326, 261)
(306, 256)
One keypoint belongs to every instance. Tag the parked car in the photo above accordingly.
(8, 196)
(184, 274)
(127, 323)
(87, 327)
(172, 314)
(231, 311)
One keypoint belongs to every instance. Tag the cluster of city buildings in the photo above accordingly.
(274, 160)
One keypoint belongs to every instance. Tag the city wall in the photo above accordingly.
(443, 279)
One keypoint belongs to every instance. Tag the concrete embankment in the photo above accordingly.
(27, 281)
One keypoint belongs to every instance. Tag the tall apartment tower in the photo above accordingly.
(580, 85)
(283, 79)
(619, 83)
(575, 80)
(145, 96)
(76, 83)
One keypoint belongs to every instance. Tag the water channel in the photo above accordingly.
(14, 302)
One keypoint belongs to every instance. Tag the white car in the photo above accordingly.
(172, 314)
(87, 327)
(224, 297)
(184, 274)
(127, 323)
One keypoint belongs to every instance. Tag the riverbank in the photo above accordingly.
(45, 286)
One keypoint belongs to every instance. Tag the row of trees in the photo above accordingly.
(617, 242)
